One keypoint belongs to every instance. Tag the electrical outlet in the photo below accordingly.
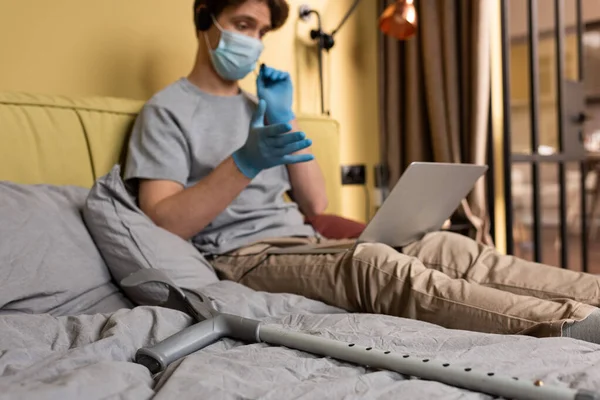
(354, 174)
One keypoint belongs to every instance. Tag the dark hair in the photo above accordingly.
(279, 9)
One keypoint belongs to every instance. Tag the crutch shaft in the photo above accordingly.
(468, 378)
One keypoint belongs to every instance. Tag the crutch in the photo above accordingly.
(214, 326)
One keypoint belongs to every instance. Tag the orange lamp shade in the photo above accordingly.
(399, 20)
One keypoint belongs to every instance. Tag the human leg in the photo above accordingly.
(375, 278)
(462, 258)
(310, 275)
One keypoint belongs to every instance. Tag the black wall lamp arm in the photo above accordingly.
(324, 40)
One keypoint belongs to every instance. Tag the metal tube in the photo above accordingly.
(204, 333)
(197, 337)
(534, 93)
(321, 84)
(318, 34)
(564, 233)
(582, 166)
(345, 18)
(584, 228)
(507, 149)
(491, 184)
(560, 91)
(459, 376)
(179, 345)
(464, 145)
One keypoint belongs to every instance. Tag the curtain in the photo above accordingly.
(435, 95)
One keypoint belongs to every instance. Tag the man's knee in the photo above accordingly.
(376, 277)
(445, 248)
(450, 239)
(376, 259)
(374, 253)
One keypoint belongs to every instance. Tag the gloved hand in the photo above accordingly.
(275, 87)
(269, 146)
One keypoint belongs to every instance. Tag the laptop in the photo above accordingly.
(425, 196)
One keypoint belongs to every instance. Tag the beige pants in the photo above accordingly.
(446, 279)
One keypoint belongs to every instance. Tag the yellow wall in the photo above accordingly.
(133, 48)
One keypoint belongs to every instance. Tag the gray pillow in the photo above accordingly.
(130, 241)
(48, 260)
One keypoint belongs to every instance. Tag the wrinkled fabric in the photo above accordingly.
(49, 263)
(89, 357)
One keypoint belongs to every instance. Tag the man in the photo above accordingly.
(211, 165)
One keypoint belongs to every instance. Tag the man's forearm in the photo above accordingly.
(308, 184)
(191, 210)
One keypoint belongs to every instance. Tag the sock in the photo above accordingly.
(587, 329)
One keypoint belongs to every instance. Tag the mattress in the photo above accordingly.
(90, 356)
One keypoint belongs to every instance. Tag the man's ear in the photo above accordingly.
(203, 20)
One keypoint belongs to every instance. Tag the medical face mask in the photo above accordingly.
(236, 55)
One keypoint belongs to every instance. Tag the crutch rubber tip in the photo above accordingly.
(153, 365)
(587, 395)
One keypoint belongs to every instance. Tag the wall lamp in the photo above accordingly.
(399, 20)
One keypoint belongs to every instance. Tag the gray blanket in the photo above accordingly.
(89, 357)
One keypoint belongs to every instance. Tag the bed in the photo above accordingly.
(68, 331)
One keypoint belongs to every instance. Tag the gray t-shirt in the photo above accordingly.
(182, 134)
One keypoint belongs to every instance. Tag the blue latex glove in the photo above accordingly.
(269, 146)
(275, 87)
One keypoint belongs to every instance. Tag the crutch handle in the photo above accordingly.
(196, 337)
